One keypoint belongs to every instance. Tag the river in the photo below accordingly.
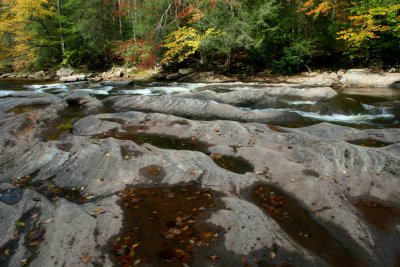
(355, 107)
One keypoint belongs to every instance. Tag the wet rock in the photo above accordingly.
(26, 100)
(66, 238)
(17, 220)
(102, 154)
(76, 234)
(262, 96)
(118, 83)
(91, 105)
(364, 78)
(11, 196)
(248, 229)
(202, 109)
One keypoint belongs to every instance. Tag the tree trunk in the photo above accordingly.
(61, 27)
(229, 58)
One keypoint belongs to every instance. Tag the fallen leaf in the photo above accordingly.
(213, 257)
(209, 234)
(135, 245)
(19, 224)
(85, 259)
(175, 231)
(179, 252)
(98, 209)
(48, 221)
(35, 234)
(35, 243)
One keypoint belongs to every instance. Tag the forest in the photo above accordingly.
(283, 36)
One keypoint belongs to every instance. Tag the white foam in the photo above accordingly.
(6, 93)
(95, 91)
(368, 107)
(296, 103)
(41, 87)
(161, 90)
(356, 119)
(136, 92)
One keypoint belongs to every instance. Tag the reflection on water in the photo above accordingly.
(356, 107)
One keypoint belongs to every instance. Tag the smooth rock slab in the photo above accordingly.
(262, 95)
(364, 78)
(195, 108)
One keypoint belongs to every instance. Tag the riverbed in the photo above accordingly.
(361, 108)
(116, 173)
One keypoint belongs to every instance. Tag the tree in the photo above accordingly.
(373, 31)
(24, 30)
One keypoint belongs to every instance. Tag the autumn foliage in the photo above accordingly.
(284, 36)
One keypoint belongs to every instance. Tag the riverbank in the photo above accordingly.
(319, 78)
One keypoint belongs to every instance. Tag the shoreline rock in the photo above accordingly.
(362, 78)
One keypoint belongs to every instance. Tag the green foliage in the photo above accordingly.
(373, 30)
(294, 58)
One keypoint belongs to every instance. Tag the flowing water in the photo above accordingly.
(354, 107)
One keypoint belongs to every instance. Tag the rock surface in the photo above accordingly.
(64, 72)
(73, 78)
(243, 96)
(363, 78)
(195, 108)
(323, 167)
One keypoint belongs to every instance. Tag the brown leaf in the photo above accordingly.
(85, 259)
(209, 234)
(48, 221)
(98, 210)
(213, 257)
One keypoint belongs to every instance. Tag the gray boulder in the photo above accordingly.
(365, 78)
(64, 72)
(174, 76)
(186, 71)
(73, 78)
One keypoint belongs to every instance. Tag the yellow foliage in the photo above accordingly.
(316, 9)
(366, 26)
(182, 43)
(14, 25)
